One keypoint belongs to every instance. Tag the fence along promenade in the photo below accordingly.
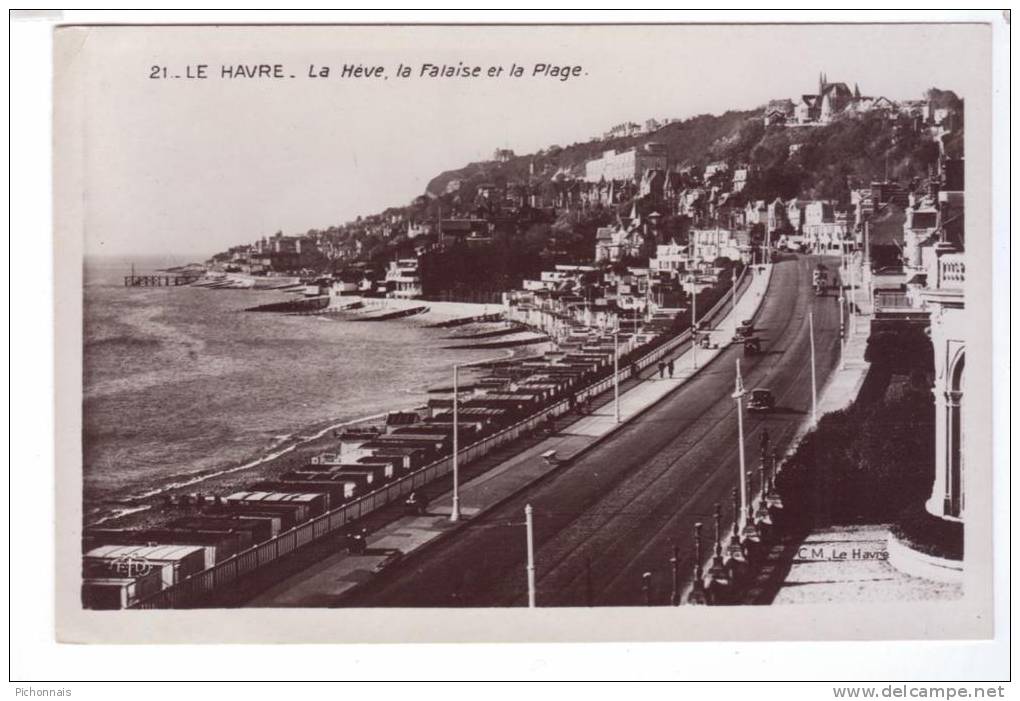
(190, 592)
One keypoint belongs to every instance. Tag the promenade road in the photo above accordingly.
(619, 509)
(323, 575)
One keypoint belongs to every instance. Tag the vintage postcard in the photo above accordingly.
(471, 333)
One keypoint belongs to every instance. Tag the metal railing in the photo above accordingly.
(191, 591)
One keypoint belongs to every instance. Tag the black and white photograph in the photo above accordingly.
(539, 332)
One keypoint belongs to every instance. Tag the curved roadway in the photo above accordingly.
(618, 510)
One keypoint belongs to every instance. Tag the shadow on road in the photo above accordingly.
(788, 411)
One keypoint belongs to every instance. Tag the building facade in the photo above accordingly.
(943, 298)
(626, 165)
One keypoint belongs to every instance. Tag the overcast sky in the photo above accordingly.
(190, 167)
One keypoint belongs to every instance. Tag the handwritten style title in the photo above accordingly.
(360, 71)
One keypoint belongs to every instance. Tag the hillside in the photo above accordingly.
(532, 210)
(827, 159)
(693, 141)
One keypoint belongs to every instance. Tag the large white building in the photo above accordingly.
(402, 279)
(709, 244)
(626, 165)
(943, 298)
(670, 258)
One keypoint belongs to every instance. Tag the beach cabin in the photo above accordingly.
(173, 562)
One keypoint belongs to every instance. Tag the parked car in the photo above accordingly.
(356, 541)
(744, 331)
(416, 504)
(761, 400)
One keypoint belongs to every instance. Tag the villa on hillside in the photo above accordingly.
(821, 107)
(614, 243)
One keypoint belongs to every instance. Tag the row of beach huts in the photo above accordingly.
(122, 566)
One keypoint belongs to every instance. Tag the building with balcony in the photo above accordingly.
(944, 300)
(671, 258)
(709, 244)
(402, 279)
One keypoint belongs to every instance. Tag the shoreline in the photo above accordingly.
(137, 510)
(273, 452)
(133, 505)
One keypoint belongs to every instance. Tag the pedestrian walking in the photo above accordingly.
(634, 371)
(670, 368)
(662, 369)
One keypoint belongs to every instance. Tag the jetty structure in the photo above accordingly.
(160, 280)
(174, 277)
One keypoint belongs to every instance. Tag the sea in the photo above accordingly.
(179, 382)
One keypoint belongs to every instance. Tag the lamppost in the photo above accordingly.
(734, 549)
(455, 509)
(616, 372)
(530, 531)
(853, 296)
(674, 566)
(842, 334)
(694, 321)
(718, 569)
(814, 380)
(763, 511)
(733, 291)
(697, 595)
(738, 396)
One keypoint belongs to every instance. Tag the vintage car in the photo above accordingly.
(416, 504)
(761, 400)
(744, 331)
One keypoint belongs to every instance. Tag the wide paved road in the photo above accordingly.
(618, 510)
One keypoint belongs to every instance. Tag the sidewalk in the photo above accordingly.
(844, 565)
(844, 383)
(324, 582)
(849, 564)
(839, 391)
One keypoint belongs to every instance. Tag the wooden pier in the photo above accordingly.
(159, 280)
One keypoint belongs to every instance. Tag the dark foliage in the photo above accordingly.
(866, 464)
(929, 534)
(902, 350)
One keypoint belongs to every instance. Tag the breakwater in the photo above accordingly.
(391, 315)
(160, 280)
(511, 329)
(514, 343)
(464, 321)
(294, 306)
